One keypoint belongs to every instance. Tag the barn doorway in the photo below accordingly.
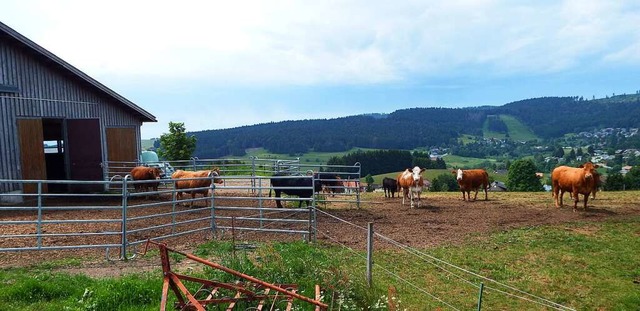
(54, 152)
(61, 149)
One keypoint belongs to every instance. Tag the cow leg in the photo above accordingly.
(277, 198)
(411, 198)
(586, 198)
(475, 197)
(574, 194)
(405, 194)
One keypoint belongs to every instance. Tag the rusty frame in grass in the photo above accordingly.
(216, 293)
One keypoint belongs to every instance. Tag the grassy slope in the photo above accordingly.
(147, 143)
(517, 130)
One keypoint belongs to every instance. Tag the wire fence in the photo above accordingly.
(451, 273)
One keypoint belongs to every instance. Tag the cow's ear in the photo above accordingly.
(454, 172)
(422, 170)
(596, 165)
(581, 166)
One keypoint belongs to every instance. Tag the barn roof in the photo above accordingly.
(145, 115)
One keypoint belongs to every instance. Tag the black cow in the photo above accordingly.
(294, 181)
(390, 187)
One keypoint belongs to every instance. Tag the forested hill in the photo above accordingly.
(420, 127)
(555, 116)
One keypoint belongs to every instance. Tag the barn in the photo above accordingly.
(56, 122)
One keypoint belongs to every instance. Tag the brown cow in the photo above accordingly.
(189, 184)
(146, 173)
(411, 183)
(580, 180)
(472, 180)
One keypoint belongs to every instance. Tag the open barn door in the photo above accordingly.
(32, 153)
(85, 153)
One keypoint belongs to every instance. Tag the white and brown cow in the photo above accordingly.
(469, 180)
(575, 180)
(411, 183)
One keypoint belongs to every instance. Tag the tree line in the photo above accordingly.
(548, 117)
(375, 162)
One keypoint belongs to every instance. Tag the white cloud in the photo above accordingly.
(327, 42)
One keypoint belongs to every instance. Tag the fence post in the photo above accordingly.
(260, 200)
(480, 297)
(369, 253)
(358, 183)
(193, 159)
(253, 174)
(39, 225)
(311, 208)
(125, 194)
(212, 188)
(173, 208)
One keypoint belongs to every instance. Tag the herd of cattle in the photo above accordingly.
(583, 180)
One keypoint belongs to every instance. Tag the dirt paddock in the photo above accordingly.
(443, 218)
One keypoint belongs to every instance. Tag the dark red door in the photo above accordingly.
(85, 152)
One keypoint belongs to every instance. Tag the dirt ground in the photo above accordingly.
(443, 218)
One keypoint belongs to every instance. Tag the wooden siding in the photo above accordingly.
(47, 91)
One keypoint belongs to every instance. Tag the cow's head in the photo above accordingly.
(459, 173)
(215, 173)
(589, 170)
(155, 172)
(415, 173)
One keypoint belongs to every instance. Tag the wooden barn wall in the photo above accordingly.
(45, 91)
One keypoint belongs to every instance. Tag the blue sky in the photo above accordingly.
(213, 64)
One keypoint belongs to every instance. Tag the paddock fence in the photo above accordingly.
(111, 214)
(344, 184)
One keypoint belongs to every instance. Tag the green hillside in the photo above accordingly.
(147, 143)
(517, 130)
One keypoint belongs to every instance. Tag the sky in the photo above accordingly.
(224, 64)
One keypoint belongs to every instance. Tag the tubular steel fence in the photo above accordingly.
(66, 214)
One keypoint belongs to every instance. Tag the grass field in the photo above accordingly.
(309, 157)
(465, 162)
(517, 130)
